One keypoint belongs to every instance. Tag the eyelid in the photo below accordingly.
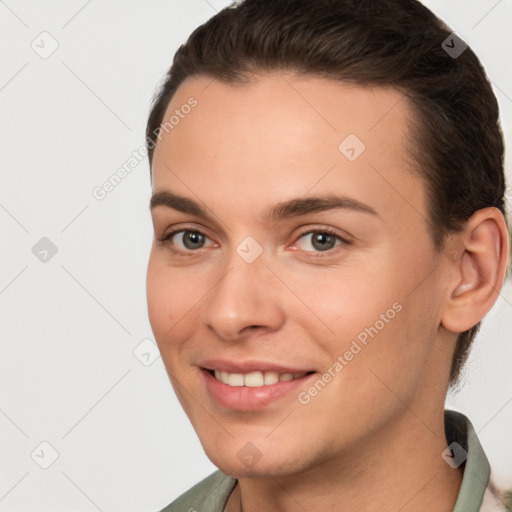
(173, 230)
(343, 239)
(165, 240)
(342, 235)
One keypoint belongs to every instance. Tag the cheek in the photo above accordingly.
(370, 319)
(171, 298)
(157, 298)
(389, 356)
(347, 302)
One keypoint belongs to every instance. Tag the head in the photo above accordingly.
(290, 105)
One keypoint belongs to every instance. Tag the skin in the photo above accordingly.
(372, 438)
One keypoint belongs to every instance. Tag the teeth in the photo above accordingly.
(255, 379)
(271, 378)
(236, 379)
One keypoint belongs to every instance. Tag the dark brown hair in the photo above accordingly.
(458, 144)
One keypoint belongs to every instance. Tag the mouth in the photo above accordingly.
(252, 389)
(256, 378)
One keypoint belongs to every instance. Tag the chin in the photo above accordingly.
(251, 463)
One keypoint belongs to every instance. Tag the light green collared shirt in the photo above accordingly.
(476, 494)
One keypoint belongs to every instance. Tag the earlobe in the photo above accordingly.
(479, 271)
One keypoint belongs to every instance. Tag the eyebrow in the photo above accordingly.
(283, 210)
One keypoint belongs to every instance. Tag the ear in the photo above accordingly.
(478, 259)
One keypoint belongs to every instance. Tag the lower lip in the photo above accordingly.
(244, 398)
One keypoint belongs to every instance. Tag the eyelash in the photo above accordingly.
(308, 254)
(329, 252)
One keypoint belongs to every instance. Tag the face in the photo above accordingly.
(293, 288)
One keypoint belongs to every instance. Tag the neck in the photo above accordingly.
(400, 468)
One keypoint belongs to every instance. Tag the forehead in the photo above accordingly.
(302, 105)
(281, 135)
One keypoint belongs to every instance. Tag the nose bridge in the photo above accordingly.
(243, 296)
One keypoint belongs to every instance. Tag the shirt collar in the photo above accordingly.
(476, 468)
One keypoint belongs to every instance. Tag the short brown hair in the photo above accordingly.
(399, 43)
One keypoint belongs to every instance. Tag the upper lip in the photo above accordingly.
(248, 366)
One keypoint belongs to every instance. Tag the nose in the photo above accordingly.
(244, 299)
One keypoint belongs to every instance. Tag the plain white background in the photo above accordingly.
(73, 373)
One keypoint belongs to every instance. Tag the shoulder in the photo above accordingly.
(209, 495)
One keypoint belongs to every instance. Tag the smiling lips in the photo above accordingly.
(256, 378)
(252, 385)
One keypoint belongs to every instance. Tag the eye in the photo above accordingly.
(186, 240)
(319, 241)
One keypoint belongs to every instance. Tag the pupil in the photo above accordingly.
(323, 241)
(193, 240)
